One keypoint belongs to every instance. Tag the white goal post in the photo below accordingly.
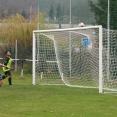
(71, 56)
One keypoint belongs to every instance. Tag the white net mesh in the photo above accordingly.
(110, 60)
(68, 57)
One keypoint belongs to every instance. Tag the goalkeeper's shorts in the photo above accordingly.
(1, 77)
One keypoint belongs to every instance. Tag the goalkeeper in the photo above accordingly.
(7, 62)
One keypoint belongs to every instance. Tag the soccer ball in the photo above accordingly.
(81, 24)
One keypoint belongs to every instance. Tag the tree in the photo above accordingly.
(23, 13)
(9, 11)
(100, 10)
(17, 27)
(62, 13)
(58, 13)
(51, 13)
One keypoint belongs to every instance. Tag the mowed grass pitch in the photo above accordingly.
(25, 100)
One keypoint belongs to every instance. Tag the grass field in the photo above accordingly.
(25, 100)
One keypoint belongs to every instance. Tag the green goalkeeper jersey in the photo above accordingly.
(7, 63)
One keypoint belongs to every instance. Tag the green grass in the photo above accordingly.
(25, 100)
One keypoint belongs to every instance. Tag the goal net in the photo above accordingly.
(109, 61)
(68, 56)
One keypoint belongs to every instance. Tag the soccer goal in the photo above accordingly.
(70, 57)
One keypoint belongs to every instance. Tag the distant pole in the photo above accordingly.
(70, 15)
(16, 55)
(38, 28)
(108, 49)
(30, 13)
(38, 17)
(70, 43)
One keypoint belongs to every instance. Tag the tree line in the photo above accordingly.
(54, 9)
(56, 14)
(88, 11)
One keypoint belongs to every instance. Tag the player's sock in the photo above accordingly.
(9, 80)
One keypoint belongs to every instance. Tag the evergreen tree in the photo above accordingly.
(58, 13)
(51, 13)
(23, 13)
(62, 13)
(100, 10)
(9, 11)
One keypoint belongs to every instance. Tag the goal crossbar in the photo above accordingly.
(67, 29)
